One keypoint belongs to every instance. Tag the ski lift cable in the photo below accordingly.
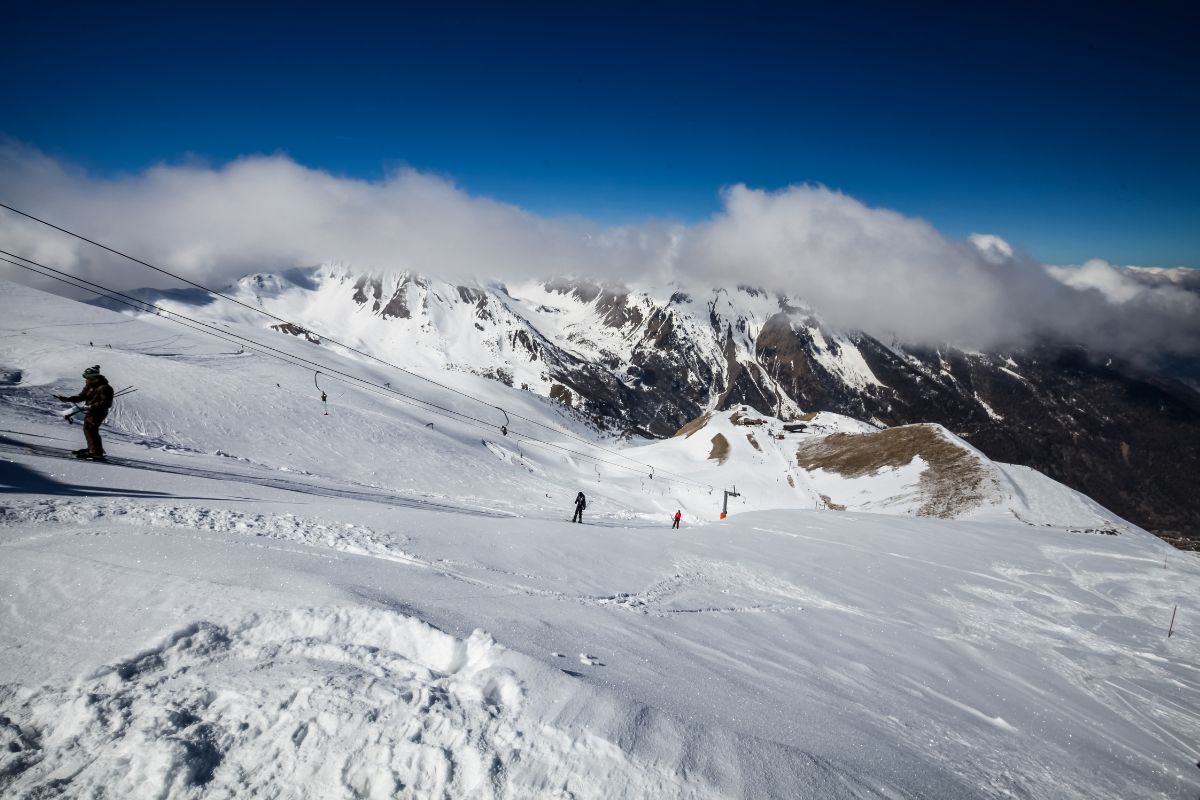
(236, 339)
(327, 338)
(360, 383)
(293, 360)
(266, 313)
(226, 335)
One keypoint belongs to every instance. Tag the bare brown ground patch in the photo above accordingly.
(691, 427)
(753, 442)
(720, 448)
(953, 480)
(807, 416)
(832, 506)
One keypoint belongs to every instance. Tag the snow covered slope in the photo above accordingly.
(255, 598)
(642, 360)
(828, 461)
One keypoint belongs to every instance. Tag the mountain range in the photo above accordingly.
(644, 361)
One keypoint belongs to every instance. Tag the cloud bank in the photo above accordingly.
(862, 268)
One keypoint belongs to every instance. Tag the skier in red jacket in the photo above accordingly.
(678, 516)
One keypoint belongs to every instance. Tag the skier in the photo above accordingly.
(99, 398)
(580, 505)
(675, 522)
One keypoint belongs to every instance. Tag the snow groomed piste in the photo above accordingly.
(255, 597)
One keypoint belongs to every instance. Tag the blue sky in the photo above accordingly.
(1072, 131)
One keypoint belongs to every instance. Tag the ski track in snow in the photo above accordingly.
(98, 519)
(345, 537)
(695, 579)
(351, 492)
(675, 593)
(670, 595)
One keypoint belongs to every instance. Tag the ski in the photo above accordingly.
(53, 452)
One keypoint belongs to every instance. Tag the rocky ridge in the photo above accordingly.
(642, 363)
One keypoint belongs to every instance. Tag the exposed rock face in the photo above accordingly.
(645, 364)
(296, 330)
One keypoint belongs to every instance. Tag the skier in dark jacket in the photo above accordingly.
(98, 396)
(580, 505)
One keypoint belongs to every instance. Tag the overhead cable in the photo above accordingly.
(323, 336)
(292, 359)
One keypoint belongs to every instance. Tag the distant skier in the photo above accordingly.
(675, 522)
(580, 505)
(98, 396)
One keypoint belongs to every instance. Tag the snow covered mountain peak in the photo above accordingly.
(641, 361)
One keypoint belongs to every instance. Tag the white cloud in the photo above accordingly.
(266, 213)
(1116, 286)
(860, 267)
(991, 247)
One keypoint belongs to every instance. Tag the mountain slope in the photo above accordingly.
(254, 597)
(644, 362)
